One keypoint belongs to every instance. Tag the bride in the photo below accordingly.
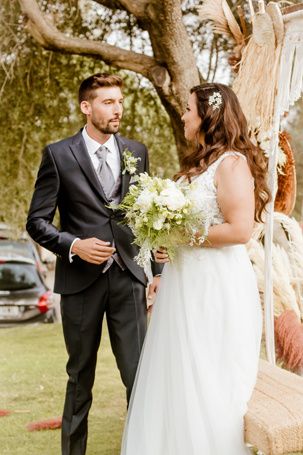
(199, 363)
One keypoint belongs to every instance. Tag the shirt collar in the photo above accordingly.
(92, 145)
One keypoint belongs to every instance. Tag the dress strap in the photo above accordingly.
(216, 163)
(213, 167)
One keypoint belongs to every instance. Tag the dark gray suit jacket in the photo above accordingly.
(67, 180)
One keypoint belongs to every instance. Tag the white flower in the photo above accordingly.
(158, 224)
(145, 200)
(215, 100)
(172, 198)
(129, 162)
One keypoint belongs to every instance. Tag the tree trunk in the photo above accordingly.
(172, 47)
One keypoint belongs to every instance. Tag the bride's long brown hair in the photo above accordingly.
(225, 129)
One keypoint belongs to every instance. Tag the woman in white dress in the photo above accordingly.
(199, 363)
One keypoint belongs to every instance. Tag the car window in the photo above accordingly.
(17, 276)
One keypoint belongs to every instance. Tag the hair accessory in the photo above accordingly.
(215, 100)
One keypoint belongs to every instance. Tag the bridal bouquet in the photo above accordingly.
(161, 212)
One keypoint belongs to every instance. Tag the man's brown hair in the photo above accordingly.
(89, 86)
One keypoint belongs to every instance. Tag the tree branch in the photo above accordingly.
(135, 7)
(110, 4)
(48, 36)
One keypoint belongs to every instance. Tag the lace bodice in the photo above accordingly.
(205, 191)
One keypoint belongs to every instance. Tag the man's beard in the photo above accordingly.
(108, 128)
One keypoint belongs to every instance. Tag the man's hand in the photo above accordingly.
(93, 250)
(152, 290)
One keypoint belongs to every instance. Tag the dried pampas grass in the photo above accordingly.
(289, 341)
(287, 274)
(287, 262)
(284, 296)
(287, 184)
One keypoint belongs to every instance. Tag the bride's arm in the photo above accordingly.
(235, 196)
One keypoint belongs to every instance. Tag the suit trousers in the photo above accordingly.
(122, 298)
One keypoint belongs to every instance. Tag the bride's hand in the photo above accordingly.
(161, 255)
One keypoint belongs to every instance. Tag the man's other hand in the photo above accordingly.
(93, 250)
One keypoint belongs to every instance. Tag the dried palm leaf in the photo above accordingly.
(256, 81)
(222, 18)
(211, 10)
(232, 23)
(277, 20)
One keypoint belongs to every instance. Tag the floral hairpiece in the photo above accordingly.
(215, 100)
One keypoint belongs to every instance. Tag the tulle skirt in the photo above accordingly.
(200, 358)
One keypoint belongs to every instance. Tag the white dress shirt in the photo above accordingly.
(113, 157)
(113, 160)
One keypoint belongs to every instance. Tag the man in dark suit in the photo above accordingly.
(95, 272)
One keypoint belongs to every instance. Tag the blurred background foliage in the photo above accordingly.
(38, 92)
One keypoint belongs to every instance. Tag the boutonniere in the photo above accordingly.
(129, 162)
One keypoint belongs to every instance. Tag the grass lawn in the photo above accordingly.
(32, 382)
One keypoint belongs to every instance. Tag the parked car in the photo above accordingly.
(44, 258)
(24, 295)
(23, 247)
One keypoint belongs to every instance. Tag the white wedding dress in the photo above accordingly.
(200, 358)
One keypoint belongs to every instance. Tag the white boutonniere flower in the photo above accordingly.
(129, 162)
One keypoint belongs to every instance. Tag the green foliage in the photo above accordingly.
(146, 121)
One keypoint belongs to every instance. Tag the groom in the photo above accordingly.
(95, 271)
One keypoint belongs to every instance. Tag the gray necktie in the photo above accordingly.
(107, 181)
(104, 171)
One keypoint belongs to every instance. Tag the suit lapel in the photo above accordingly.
(81, 154)
(125, 178)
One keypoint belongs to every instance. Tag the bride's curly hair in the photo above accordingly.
(225, 129)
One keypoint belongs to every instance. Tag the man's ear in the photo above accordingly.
(85, 107)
